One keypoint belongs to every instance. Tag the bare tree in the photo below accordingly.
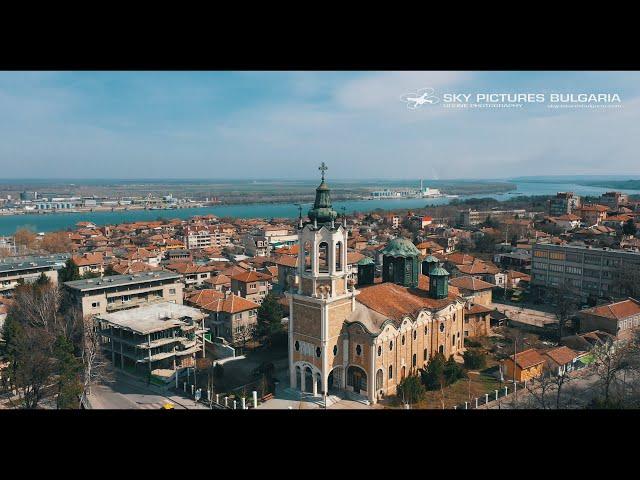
(611, 359)
(96, 367)
(566, 305)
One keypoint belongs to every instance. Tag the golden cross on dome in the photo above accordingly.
(323, 168)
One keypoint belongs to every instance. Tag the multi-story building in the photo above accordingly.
(587, 270)
(614, 200)
(159, 339)
(563, 203)
(118, 292)
(471, 217)
(26, 269)
(252, 285)
(196, 236)
(230, 316)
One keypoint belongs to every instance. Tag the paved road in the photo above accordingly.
(128, 393)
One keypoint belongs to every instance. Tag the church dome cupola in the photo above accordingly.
(322, 211)
(429, 264)
(400, 262)
(438, 283)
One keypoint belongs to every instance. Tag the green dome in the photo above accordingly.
(322, 212)
(431, 259)
(439, 272)
(401, 247)
(366, 261)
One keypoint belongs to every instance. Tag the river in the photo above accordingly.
(61, 221)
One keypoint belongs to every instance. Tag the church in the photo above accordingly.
(364, 338)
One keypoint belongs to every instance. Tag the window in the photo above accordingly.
(426, 330)
(379, 351)
(466, 333)
(414, 360)
(403, 339)
(338, 254)
(335, 349)
(441, 349)
(415, 334)
(318, 352)
(426, 354)
(358, 350)
(172, 291)
(297, 345)
(323, 257)
(95, 304)
(390, 372)
(391, 345)
(442, 327)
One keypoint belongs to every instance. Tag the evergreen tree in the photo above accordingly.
(433, 375)
(629, 227)
(452, 371)
(69, 272)
(42, 280)
(270, 316)
(69, 369)
(411, 389)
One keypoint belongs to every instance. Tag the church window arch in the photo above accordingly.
(307, 255)
(323, 257)
(391, 345)
(390, 372)
(379, 379)
(403, 339)
(338, 256)
(335, 349)
(379, 351)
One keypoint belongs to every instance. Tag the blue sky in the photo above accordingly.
(282, 124)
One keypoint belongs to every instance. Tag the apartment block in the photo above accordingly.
(28, 270)
(590, 271)
(475, 217)
(563, 203)
(118, 292)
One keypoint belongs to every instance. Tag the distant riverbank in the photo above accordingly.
(46, 223)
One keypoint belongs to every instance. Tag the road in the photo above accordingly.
(126, 393)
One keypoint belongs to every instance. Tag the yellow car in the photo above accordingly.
(167, 406)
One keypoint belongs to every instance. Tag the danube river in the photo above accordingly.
(62, 221)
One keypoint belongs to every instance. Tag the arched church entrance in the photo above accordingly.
(334, 381)
(357, 378)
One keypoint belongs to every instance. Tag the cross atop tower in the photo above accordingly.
(323, 168)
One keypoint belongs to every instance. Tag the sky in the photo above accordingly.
(234, 125)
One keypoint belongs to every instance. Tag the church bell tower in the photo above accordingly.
(321, 300)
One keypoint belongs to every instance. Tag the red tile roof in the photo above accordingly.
(617, 311)
(215, 301)
(470, 283)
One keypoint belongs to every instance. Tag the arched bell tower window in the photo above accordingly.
(323, 257)
(338, 257)
(307, 256)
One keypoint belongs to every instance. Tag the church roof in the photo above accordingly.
(395, 302)
(401, 247)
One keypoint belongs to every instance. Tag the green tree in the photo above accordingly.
(42, 280)
(108, 271)
(270, 316)
(69, 370)
(629, 227)
(411, 390)
(474, 359)
(452, 371)
(69, 272)
(433, 375)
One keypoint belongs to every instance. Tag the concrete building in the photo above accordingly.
(252, 285)
(159, 339)
(619, 319)
(590, 271)
(26, 269)
(470, 217)
(119, 292)
(563, 203)
(614, 200)
(230, 316)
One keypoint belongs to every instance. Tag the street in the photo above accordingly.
(128, 393)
